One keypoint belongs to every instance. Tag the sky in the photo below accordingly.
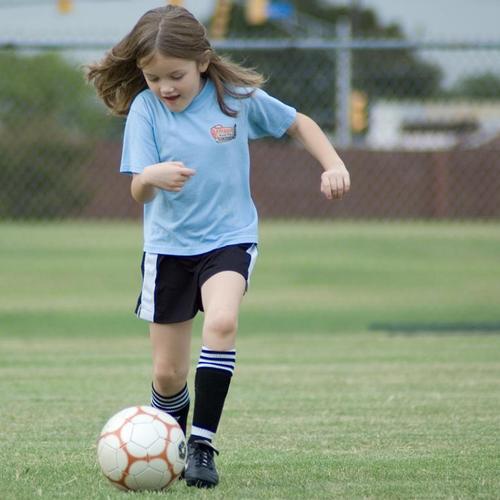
(90, 19)
(470, 20)
(428, 19)
(443, 20)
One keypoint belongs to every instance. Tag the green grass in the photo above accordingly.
(322, 405)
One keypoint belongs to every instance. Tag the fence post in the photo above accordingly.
(343, 84)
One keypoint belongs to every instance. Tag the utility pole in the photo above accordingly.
(343, 84)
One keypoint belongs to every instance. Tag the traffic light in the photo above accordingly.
(359, 111)
(256, 11)
(221, 18)
(64, 6)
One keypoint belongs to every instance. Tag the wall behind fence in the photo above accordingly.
(422, 147)
(285, 183)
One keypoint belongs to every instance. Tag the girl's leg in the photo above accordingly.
(171, 344)
(221, 296)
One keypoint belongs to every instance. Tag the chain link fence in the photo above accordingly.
(417, 124)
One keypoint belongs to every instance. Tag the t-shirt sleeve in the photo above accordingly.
(267, 116)
(139, 145)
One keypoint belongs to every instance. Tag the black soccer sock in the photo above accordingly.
(213, 376)
(176, 405)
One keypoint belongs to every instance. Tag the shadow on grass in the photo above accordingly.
(454, 328)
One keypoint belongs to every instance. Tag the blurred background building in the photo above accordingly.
(409, 92)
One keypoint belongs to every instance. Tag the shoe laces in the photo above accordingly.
(204, 453)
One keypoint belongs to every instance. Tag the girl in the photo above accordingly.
(190, 114)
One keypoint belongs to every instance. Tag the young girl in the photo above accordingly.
(190, 114)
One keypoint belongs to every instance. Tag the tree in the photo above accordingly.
(48, 120)
(485, 86)
(306, 78)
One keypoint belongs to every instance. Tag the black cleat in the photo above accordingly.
(200, 468)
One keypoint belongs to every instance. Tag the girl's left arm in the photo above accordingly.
(335, 180)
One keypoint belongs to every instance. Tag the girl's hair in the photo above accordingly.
(173, 32)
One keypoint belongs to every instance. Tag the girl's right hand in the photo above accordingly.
(169, 175)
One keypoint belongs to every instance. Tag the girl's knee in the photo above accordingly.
(221, 323)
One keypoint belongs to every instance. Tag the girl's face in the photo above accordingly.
(176, 82)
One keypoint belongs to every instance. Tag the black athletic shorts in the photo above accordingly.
(171, 284)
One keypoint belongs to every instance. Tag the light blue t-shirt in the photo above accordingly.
(215, 207)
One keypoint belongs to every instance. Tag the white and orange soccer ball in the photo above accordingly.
(142, 448)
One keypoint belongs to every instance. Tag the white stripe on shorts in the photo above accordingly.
(253, 252)
(147, 308)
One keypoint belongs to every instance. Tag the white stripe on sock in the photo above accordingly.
(216, 367)
(229, 355)
(162, 405)
(172, 399)
(198, 431)
(220, 360)
(170, 404)
(215, 354)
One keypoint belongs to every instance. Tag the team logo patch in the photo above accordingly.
(223, 134)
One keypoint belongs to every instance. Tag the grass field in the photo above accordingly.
(368, 361)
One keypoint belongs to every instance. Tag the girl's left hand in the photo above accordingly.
(335, 182)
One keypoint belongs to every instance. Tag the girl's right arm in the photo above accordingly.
(169, 175)
(141, 191)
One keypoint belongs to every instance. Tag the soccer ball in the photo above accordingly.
(142, 448)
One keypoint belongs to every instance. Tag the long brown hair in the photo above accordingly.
(173, 32)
